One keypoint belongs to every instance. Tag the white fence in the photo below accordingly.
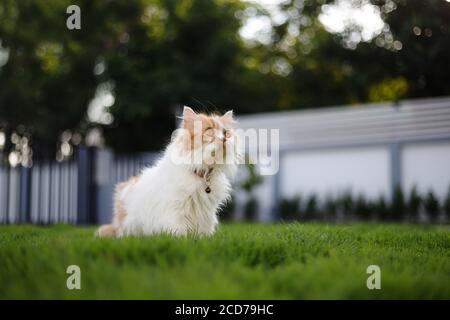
(74, 191)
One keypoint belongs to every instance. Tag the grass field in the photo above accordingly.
(251, 261)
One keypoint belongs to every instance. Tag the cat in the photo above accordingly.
(182, 193)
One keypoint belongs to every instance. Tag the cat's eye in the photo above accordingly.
(209, 131)
(227, 133)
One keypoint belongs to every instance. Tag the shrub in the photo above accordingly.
(447, 204)
(414, 203)
(226, 212)
(311, 208)
(252, 180)
(398, 206)
(251, 209)
(347, 206)
(381, 208)
(345, 203)
(431, 205)
(289, 209)
(248, 184)
(329, 208)
(362, 207)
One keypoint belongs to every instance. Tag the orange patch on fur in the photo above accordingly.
(190, 135)
(109, 230)
(195, 125)
(207, 122)
(119, 209)
(106, 231)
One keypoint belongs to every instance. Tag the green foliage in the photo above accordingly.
(345, 203)
(160, 54)
(431, 204)
(179, 52)
(425, 46)
(381, 208)
(396, 64)
(363, 208)
(250, 209)
(330, 208)
(290, 209)
(398, 206)
(311, 208)
(392, 89)
(240, 261)
(226, 211)
(447, 204)
(48, 79)
(157, 54)
(252, 180)
(347, 206)
(414, 203)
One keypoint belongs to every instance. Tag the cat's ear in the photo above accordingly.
(189, 117)
(228, 118)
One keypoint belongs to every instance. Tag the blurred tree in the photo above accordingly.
(48, 79)
(175, 52)
(154, 55)
(420, 46)
(408, 58)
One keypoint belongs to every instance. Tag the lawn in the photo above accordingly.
(250, 261)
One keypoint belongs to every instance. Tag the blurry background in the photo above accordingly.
(83, 109)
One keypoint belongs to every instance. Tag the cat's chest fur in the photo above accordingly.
(199, 208)
(174, 202)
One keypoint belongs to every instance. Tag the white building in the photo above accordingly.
(368, 149)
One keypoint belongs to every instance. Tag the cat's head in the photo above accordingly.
(209, 139)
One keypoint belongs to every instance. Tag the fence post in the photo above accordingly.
(86, 188)
(25, 195)
(104, 185)
(276, 190)
(276, 182)
(395, 166)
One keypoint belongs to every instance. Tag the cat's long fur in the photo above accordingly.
(170, 197)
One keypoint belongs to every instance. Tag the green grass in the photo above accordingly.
(250, 261)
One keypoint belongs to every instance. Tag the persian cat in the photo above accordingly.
(183, 191)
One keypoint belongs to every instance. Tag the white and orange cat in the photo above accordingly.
(182, 193)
